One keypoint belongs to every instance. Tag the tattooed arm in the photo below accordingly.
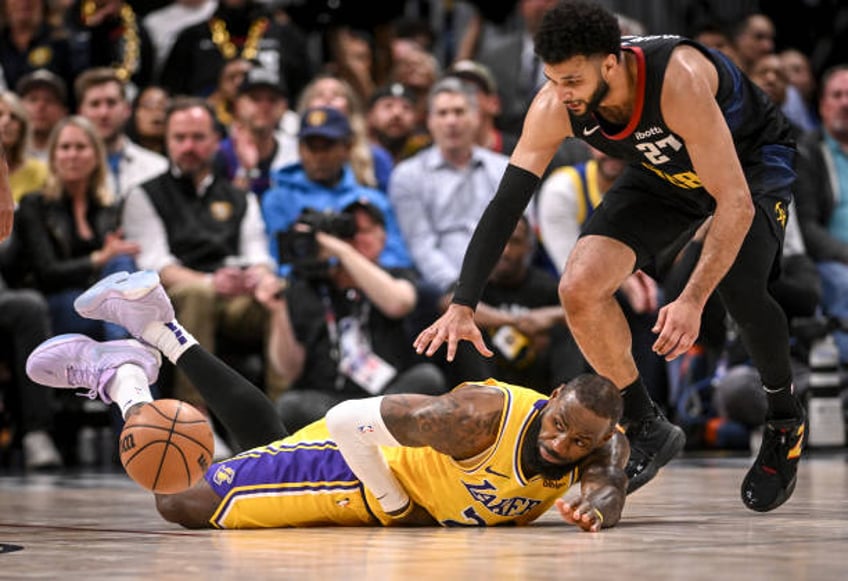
(461, 423)
(603, 487)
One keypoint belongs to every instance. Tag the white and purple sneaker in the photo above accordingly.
(77, 361)
(129, 300)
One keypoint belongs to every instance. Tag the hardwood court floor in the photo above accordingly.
(688, 524)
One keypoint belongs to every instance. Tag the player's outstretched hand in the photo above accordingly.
(456, 324)
(581, 513)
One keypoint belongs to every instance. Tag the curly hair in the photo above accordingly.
(573, 28)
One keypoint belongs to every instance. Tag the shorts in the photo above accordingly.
(656, 219)
(301, 480)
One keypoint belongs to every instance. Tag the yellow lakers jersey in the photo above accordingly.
(489, 489)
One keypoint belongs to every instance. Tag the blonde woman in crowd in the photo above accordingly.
(70, 230)
(26, 174)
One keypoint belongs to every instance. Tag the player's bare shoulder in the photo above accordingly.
(546, 125)
(688, 68)
(460, 423)
(689, 89)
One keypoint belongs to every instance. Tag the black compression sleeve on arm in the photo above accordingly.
(492, 233)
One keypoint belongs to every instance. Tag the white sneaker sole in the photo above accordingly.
(127, 286)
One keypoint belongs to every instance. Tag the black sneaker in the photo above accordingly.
(654, 441)
(771, 480)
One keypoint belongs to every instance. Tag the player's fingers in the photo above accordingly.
(452, 343)
(683, 345)
(425, 338)
(660, 321)
(435, 341)
(565, 511)
(480, 345)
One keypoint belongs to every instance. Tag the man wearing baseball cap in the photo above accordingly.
(45, 98)
(324, 181)
(256, 146)
(392, 121)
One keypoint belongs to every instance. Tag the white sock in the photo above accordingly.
(170, 338)
(129, 387)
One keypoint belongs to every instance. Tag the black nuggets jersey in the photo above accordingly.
(760, 132)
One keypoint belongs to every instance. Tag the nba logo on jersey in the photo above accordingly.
(365, 429)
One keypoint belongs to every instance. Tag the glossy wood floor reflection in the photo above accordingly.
(688, 524)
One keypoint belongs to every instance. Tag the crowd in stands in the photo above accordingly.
(305, 179)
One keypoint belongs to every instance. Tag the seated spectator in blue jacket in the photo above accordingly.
(323, 181)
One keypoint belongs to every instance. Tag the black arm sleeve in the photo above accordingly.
(492, 233)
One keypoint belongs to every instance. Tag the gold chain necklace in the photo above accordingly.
(132, 40)
(221, 38)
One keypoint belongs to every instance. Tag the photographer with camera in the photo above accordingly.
(338, 328)
(323, 180)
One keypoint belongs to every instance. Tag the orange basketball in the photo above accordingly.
(166, 446)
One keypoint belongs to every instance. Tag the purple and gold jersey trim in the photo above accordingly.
(287, 484)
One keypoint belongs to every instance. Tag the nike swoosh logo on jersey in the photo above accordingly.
(587, 132)
(490, 471)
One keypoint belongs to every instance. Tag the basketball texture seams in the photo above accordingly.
(166, 446)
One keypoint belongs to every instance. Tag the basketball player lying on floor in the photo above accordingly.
(486, 453)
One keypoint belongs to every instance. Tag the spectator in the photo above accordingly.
(340, 333)
(25, 323)
(70, 232)
(204, 237)
(30, 43)
(752, 38)
(523, 322)
(440, 193)
(392, 122)
(26, 174)
(769, 75)
(115, 39)
(799, 73)
(44, 96)
(223, 98)
(165, 24)
(323, 180)
(238, 29)
(417, 70)
(716, 36)
(371, 164)
(518, 75)
(516, 68)
(488, 136)
(102, 100)
(822, 197)
(255, 146)
(147, 120)
(352, 59)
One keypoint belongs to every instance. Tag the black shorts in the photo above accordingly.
(657, 219)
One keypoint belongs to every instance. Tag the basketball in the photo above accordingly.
(166, 446)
